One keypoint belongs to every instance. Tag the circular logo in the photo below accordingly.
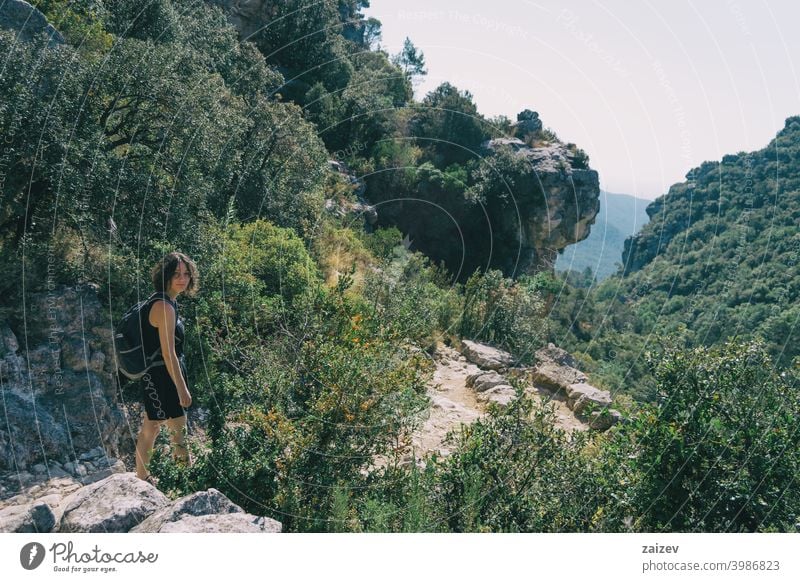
(31, 555)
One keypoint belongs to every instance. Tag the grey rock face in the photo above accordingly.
(38, 517)
(122, 503)
(229, 523)
(527, 122)
(485, 356)
(555, 372)
(210, 502)
(23, 18)
(582, 396)
(570, 202)
(501, 394)
(115, 504)
(354, 211)
(61, 395)
(485, 380)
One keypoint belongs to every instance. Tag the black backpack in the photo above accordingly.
(129, 349)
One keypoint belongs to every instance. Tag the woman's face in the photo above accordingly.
(180, 280)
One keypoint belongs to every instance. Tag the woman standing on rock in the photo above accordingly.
(164, 386)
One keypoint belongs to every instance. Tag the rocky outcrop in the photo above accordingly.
(556, 371)
(115, 504)
(124, 503)
(27, 21)
(37, 517)
(208, 512)
(570, 201)
(528, 123)
(486, 356)
(59, 390)
(513, 211)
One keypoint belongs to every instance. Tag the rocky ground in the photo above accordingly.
(121, 503)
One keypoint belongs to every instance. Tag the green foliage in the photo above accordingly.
(347, 392)
(411, 60)
(504, 312)
(718, 260)
(448, 126)
(156, 20)
(579, 159)
(412, 298)
(383, 241)
(80, 22)
(720, 451)
(304, 41)
(504, 179)
(515, 472)
(158, 116)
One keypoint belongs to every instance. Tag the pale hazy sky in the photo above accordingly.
(649, 89)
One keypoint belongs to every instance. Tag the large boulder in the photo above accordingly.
(547, 200)
(484, 381)
(485, 356)
(528, 122)
(115, 504)
(225, 523)
(605, 419)
(557, 371)
(582, 396)
(502, 395)
(210, 502)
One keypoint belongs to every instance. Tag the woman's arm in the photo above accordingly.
(162, 315)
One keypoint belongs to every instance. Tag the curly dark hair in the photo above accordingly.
(164, 270)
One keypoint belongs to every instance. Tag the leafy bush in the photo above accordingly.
(721, 451)
(505, 312)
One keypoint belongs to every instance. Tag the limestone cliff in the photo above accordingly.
(516, 210)
(58, 372)
(571, 198)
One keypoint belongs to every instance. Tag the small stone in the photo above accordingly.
(40, 468)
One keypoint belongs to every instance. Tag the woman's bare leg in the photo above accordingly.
(145, 444)
(177, 433)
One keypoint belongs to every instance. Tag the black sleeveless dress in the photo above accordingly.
(160, 395)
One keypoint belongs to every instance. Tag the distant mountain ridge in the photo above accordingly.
(620, 216)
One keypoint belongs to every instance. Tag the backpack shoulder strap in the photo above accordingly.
(165, 296)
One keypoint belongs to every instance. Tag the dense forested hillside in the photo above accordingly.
(159, 126)
(718, 260)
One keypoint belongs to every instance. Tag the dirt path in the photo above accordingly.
(453, 403)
